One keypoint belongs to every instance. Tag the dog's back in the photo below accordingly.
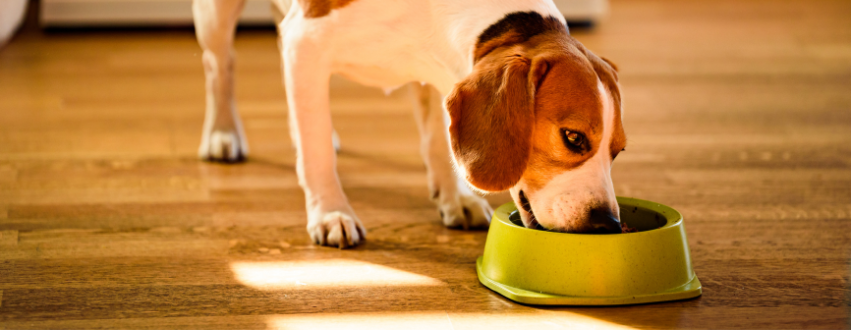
(387, 43)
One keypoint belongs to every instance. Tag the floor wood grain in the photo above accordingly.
(738, 114)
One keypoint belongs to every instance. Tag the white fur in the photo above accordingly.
(381, 43)
(223, 138)
(389, 43)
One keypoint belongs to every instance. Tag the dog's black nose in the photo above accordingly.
(603, 221)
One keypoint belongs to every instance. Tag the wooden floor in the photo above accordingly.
(738, 115)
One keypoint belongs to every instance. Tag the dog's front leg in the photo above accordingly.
(330, 218)
(223, 138)
(458, 205)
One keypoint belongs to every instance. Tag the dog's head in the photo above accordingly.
(541, 116)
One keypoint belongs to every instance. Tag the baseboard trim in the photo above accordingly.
(78, 13)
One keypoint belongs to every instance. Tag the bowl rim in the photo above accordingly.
(673, 217)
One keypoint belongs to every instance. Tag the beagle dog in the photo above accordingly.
(529, 109)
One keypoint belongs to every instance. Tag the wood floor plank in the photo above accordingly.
(9, 239)
(580, 318)
(737, 114)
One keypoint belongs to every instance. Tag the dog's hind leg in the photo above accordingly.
(223, 138)
(459, 207)
(307, 70)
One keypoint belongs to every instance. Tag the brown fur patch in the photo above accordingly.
(568, 99)
(504, 128)
(321, 8)
(491, 121)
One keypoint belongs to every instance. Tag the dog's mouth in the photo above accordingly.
(526, 206)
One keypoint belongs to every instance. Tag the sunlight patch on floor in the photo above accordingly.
(332, 273)
(438, 320)
(371, 321)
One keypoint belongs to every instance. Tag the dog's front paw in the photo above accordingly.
(223, 146)
(336, 228)
(465, 211)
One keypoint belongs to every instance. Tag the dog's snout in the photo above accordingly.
(604, 221)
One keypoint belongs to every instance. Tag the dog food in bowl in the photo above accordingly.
(633, 219)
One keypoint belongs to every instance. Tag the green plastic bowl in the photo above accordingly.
(539, 267)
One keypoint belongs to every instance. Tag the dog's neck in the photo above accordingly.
(470, 20)
(517, 28)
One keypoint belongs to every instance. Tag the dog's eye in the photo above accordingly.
(575, 141)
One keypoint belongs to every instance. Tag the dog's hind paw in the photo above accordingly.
(336, 229)
(223, 146)
(465, 211)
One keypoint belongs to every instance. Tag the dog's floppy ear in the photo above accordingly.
(608, 73)
(492, 115)
(611, 64)
(604, 68)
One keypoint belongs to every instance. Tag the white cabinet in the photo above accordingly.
(583, 10)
